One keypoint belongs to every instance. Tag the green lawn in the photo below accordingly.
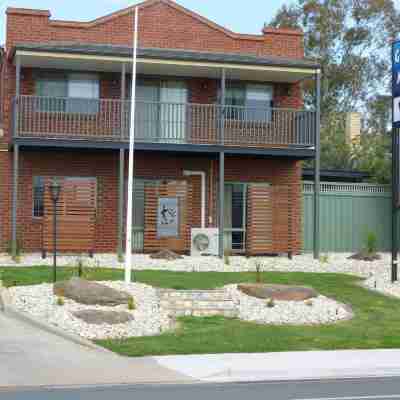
(376, 323)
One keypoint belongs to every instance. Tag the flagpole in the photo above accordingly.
(128, 247)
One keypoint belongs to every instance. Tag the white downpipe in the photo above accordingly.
(129, 214)
(203, 193)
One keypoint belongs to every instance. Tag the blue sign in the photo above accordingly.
(396, 83)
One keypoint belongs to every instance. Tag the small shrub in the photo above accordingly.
(270, 303)
(308, 302)
(324, 259)
(121, 258)
(131, 303)
(258, 265)
(60, 301)
(80, 266)
(227, 259)
(371, 243)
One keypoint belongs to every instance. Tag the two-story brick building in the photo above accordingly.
(220, 131)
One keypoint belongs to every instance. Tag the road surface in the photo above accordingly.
(350, 389)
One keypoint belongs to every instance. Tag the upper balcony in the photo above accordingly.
(162, 122)
(196, 115)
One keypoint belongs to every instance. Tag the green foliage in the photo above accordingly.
(60, 301)
(352, 41)
(131, 303)
(324, 258)
(227, 259)
(258, 266)
(270, 303)
(371, 243)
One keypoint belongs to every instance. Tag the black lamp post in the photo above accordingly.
(55, 190)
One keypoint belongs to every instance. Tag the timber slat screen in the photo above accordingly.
(161, 122)
(76, 216)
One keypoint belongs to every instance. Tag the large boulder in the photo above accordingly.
(86, 292)
(98, 317)
(278, 292)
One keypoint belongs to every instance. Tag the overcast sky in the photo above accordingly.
(239, 16)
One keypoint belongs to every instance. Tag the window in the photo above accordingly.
(249, 102)
(38, 196)
(73, 93)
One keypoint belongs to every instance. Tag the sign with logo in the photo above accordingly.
(396, 83)
(167, 217)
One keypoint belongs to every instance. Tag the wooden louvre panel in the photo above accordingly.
(259, 219)
(179, 189)
(281, 221)
(76, 216)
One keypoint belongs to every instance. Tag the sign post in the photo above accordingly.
(395, 154)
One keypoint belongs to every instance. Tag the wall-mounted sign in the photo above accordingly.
(168, 217)
(396, 83)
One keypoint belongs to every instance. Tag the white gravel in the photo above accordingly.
(149, 319)
(319, 310)
(336, 263)
(381, 282)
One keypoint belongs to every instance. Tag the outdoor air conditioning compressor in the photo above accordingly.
(204, 241)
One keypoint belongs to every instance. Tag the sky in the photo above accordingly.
(229, 13)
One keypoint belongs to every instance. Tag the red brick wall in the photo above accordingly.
(165, 25)
(104, 166)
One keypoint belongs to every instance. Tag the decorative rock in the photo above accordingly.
(98, 317)
(277, 292)
(86, 292)
(166, 254)
(364, 256)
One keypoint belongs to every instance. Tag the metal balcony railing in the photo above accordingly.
(158, 122)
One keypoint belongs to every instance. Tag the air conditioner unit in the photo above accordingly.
(204, 241)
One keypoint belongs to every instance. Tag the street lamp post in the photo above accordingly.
(55, 190)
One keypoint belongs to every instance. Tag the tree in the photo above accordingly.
(352, 41)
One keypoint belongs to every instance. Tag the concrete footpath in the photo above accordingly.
(286, 366)
(30, 356)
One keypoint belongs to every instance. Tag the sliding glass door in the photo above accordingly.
(161, 111)
(173, 99)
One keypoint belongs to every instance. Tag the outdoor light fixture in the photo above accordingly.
(55, 190)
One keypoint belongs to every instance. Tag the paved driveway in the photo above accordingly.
(31, 357)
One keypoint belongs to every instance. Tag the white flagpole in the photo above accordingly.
(128, 247)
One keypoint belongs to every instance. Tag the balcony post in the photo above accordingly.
(221, 202)
(14, 202)
(222, 167)
(222, 111)
(123, 96)
(317, 167)
(17, 94)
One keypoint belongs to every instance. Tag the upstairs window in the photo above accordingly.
(249, 102)
(72, 93)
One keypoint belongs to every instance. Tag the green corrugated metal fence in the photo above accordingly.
(348, 212)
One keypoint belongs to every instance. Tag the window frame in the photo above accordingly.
(67, 78)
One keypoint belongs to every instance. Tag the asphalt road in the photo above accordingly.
(349, 389)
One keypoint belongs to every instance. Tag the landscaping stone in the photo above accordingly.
(363, 256)
(148, 318)
(277, 292)
(322, 311)
(167, 255)
(87, 292)
(98, 317)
